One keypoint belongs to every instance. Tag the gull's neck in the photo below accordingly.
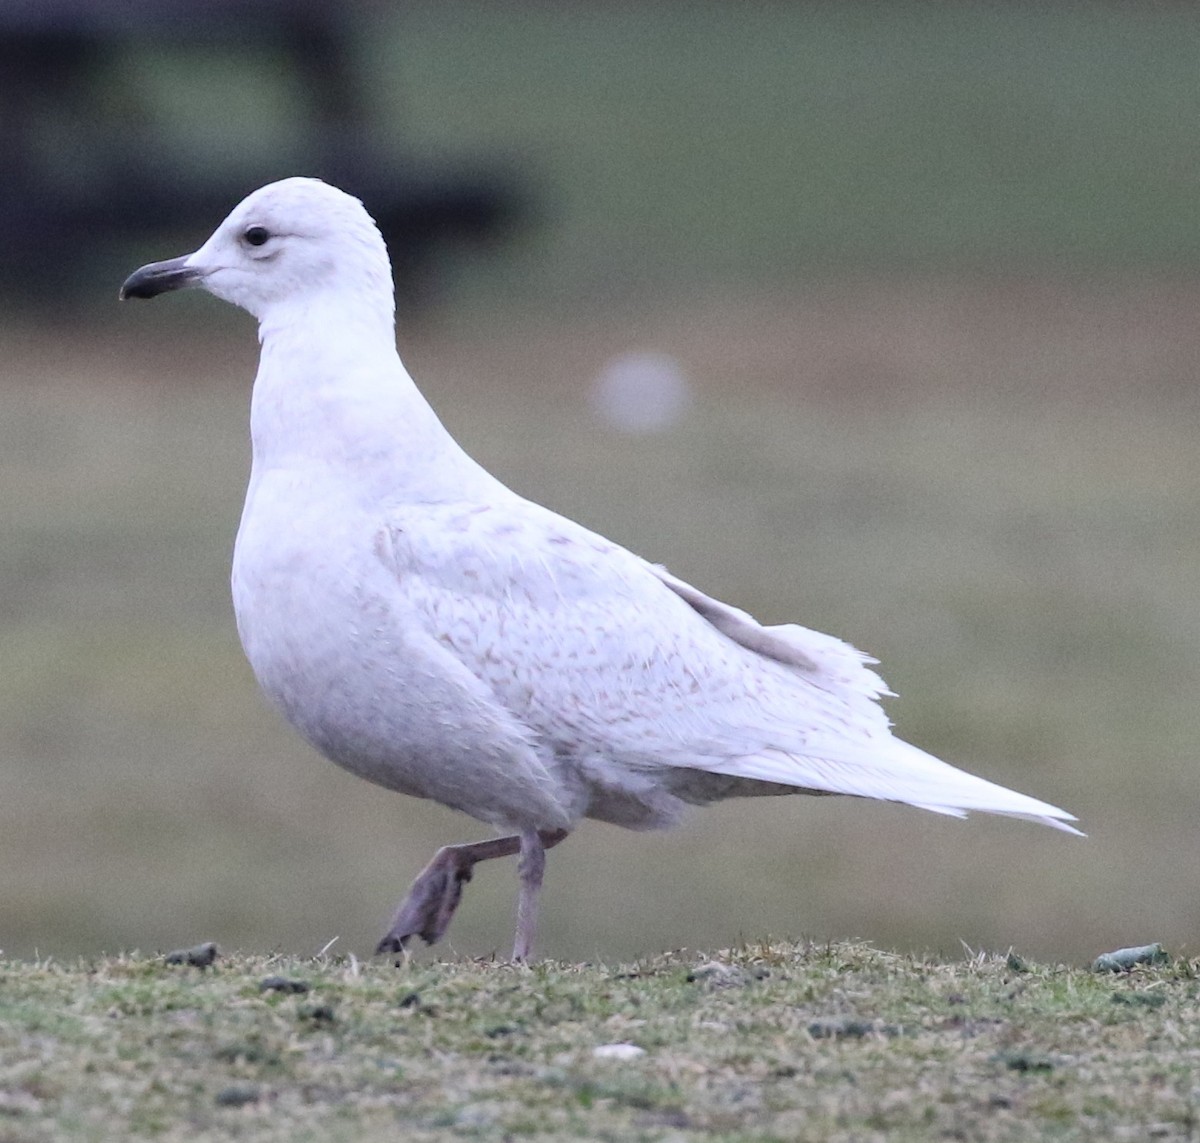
(333, 399)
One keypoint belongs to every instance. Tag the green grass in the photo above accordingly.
(762, 136)
(770, 1041)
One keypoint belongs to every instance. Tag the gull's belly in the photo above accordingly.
(335, 644)
(323, 646)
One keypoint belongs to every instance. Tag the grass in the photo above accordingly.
(767, 1041)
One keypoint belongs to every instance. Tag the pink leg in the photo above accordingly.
(530, 868)
(429, 907)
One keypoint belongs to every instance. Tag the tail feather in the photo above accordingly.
(896, 771)
(846, 748)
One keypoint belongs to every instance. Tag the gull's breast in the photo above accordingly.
(338, 646)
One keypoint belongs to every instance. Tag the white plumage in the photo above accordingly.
(430, 630)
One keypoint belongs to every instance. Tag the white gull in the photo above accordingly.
(432, 631)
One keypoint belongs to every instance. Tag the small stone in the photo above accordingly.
(237, 1095)
(318, 1013)
(617, 1051)
(1123, 960)
(850, 1028)
(666, 1117)
(199, 956)
(1025, 1061)
(717, 975)
(283, 984)
(1141, 999)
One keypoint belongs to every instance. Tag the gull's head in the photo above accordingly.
(285, 245)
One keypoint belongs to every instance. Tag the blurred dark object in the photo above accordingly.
(56, 58)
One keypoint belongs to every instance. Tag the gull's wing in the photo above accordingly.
(602, 654)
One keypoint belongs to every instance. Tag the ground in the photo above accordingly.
(768, 1041)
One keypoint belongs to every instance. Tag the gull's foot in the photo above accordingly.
(429, 907)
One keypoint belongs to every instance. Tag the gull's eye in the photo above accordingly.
(256, 235)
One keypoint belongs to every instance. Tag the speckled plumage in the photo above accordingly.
(430, 630)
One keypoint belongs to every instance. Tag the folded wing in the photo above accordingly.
(601, 653)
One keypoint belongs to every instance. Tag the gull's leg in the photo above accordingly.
(434, 895)
(530, 868)
(432, 898)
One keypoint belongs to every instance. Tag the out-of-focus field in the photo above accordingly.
(931, 272)
(992, 487)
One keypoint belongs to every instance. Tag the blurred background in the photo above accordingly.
(879, 318)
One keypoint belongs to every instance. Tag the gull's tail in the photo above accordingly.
(893, 770)
(847, 747)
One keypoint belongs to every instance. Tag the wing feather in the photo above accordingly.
(617, 664)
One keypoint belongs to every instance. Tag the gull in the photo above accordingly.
(432, 631)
